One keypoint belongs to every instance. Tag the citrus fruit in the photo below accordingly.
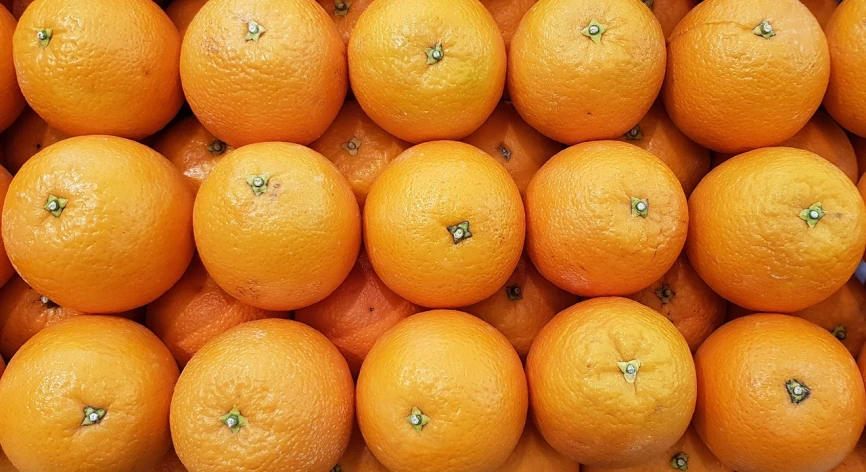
(776, 229)
(359, 148)
(268, 395)
(581, 70)
(744, 74)
(670, 12)
(345, 14)
(170, 463)
(612, 383)
(27, 136)
(534, 454)
(355, 315)
(822, 9)
(427, 70)
(523, 306)
(431, 379)
(619, 241)
(264, 70)
(182, 12)
(195, 311)
(777, 393)
(846, 95)
(358, 457)
(444, 225)
(515, 144)
(13, 101)
(98, 224)
(192, 149)
(5, 465)
(843, 314)
(657, 134)
(6, 269)
(89, 393)
(507, 14)
(860, 149)
(277, 226)
(856, 461)
(128, 47)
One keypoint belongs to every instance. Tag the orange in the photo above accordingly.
(442, 387)
(27, 136)
(266, 395)
(195, 311)
(170, 463)
(6, 269)
(358, 313)
(670, 12)
(623, 238)
(358, 457)
(523, 306)
(534, 454)
(345, 14)
(264, 70)
(427, 70)
(777, 393)
(5, 465)
(182, 12)
(612, 383)
(444, 225)
(130, 47)
(98, 224)
(515, 144)
(10, 94)
(860, 149)
(192, 149)
(657, 134)
(359, 148)
(843, 315)
(90, 393)
(580, 70)
(744, 74)
(688, 302)
(822, 9)
(776, 229)
(856, 461)
(846, 95)
(507, 14)
(277, 226)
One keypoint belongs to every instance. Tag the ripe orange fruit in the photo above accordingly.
(843, 315)
(98, 224)
(18, 7)
(266, 395)
(534, 454)
(358, 313)
(444, 225)
(617, 242)
(856, 461)
(182, 12)
(130, 47)
(277, 226)
(359, 148)
(431, 379)
(90, 393)
(13, 101)
(776, 229)
(846, 95)
(687, 301)
(5, 465)
(192, 149)
(428, 70)
(523, 306)
(195, 311)
(507, 14)
(580, 70)
(515, 144)
(345, 14)
(27, 136)
(726, 62)
(630, 381)
(859, 149)
(657, 134)
(170, 463)
(264, 70)
(777, 393)
(358, 457)
(670, 12)
(822, 9)
(6, 269)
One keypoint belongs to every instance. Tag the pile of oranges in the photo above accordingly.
(432, 235)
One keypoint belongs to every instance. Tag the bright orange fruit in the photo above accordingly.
(843, 314)
(192, 149)
(345, 14)
(534, 454)
(182, 12)
(27, 136)
(670, 12)
(846, 95)
(508, 14)
(856, 461)
(822, 9)
(10, 93)
(358, 457)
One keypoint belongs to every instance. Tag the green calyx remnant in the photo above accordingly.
(813, 214)
(55, 205)
(351, 146)
(341, 8)
(765, 30)
(337, 468)
(234, 420)
(417, 419)
(254, 30)
(634, 134)
(435, 53)
(216, 147)
(639, 207)
(44, 36)
(840, 333)
(504, 151)
(665, 294)
(514, 292)
(460, 231)
(629, 369)
(259, 183)
(594, 31)
(92, 415)
(680, 461)
(797, 390)
(649, 3)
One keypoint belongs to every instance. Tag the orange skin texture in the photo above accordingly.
(376, 150)
(27, 136)
(195, 311)
(412, 99)
(61, 371)
(845, 308)
(170, 463)
(358, 313)
(358, 457)
(507, 14)
(658, 135)
(287, 248)
(181, 13)
(286, 86)
(58, 80)
(10, 93)
(846, 95)
(693, 307)
(671, 12)
(124, 237)
(573, 89)
(748, 242)
(462, 374)
(731, 90)
(822, 9)
(291, 384)
(533, 454)
(429, 188)
(581, 234)
(521, 319)
(185, 143)
(17, 7)
(345, 23)
(514, 144)
(856, 461)
(582, 403)
(747, 417)
(6, 269)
